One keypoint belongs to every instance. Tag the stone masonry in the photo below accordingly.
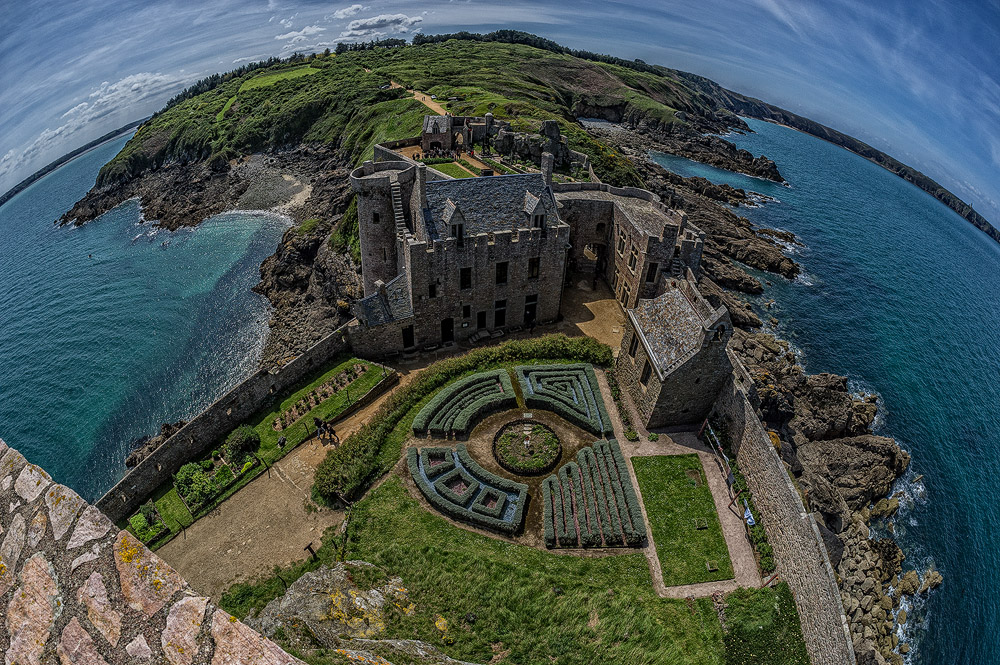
(799, 552)
(75, 590)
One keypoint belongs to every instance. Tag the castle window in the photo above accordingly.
(499, 313)
(465, 278)
(633, 257)
(633, 346)
(502, 272)
(626, 293)
(534, 265)
(647, 370)
(374, 218)
(458, 231)
(621, 243)
(385, 254)
(432, 290)
(651, 273)
(600, 229)
(538, 221)
(466, 311)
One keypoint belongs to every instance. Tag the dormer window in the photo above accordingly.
(538, 221)
(458, 231)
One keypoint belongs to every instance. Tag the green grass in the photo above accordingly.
(673, 502)
(764, 628)
(265, 80)
(168, 502)
(222, 114)
(452, 169)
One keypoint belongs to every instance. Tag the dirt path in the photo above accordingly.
(421, 97)
(683, 443)
(266, 523)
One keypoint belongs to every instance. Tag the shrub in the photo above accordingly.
(193, 484)
(653, 436)
(149, 512)
(435, 470)
(465, 402)
(146, 530)
(347, 469)
(244, 439)
(206, 465)
(222, 478)
(442, 485)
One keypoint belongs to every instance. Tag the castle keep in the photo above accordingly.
(448, 261)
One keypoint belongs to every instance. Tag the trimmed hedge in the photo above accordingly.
(571, 391)
(479, 505)
(465, 403)
(592, 502)
(435, 470)
(471, 487)
(349, 468)
(482, 483)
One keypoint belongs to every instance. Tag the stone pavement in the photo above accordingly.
(76, 590)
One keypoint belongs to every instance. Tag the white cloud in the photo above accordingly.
(345, 12)
(132, 93)
(300, 35)
(380, 25)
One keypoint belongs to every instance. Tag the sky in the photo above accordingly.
(918, 79)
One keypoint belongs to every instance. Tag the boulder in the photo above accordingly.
(908, 584)
(862, 468)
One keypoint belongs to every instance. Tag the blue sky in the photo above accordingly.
(919, 79)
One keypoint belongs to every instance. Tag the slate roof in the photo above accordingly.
(671, 327)
(494, 203)
(395, 306)
(646, 215)
(442, 121)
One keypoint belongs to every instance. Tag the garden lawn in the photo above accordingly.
(673, 503)
(452, 169)
(764, 628)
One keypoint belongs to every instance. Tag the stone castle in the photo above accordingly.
(448, 261)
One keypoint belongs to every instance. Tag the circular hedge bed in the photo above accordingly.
(526, 447)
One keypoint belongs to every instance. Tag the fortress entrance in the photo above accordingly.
(447, 331)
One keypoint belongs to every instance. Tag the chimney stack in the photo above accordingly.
(547, 162)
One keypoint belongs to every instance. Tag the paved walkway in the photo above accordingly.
(683, 443)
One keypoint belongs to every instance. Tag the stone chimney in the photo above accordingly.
(380, 287)
(547, 162)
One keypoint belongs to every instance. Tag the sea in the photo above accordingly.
(112, 328)
(901, 295)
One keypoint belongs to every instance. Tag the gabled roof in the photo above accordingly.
(452, 213)
(436, 124)
(395, 305)
(494, 203)
(530, 202)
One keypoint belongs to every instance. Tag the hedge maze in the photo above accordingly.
(591, 502)
(456, 485)
(457, 408)
(569, 390)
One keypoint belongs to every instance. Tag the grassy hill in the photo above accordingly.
(336, 100)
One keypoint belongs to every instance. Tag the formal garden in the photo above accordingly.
(526, 447)
(246, 452)
(493, 594)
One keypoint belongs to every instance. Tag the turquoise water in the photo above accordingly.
(900, 294)
(110, 329)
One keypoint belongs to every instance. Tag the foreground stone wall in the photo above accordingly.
(215, 422)
(799, 552)
(74, 590)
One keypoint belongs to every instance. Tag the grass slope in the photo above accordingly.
(334, 100)
(673, 503)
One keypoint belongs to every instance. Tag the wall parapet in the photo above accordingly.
(209, 426)
(799, 552)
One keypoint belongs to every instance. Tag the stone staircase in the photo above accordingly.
(397, 203)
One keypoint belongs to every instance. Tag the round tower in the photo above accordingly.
(377, 187)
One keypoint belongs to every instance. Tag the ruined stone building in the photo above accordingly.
(446, 261)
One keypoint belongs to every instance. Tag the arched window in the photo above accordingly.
(600, 228)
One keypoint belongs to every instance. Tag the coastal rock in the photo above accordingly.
(824, 498)
(908, 584)
(932, 580)
(862, 468)
(143, 448)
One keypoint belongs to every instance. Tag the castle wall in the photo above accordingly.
(799, 551)
(215, 422)
(75, 589)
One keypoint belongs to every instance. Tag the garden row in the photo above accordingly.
(318, 395)
(568, 390)
(456, 409)
(202, 484)
(349, 469)
(456, 485)
(591, 502)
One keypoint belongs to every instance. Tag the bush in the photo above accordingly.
(148, 511)
(464, 403)
(145, 530)
(653, 436)
(348, 469)
(193, 484)
(244, 439)
(222, 478)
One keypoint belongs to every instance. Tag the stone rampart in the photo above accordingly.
(76, 590)
(215, 422)
(799, 552)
